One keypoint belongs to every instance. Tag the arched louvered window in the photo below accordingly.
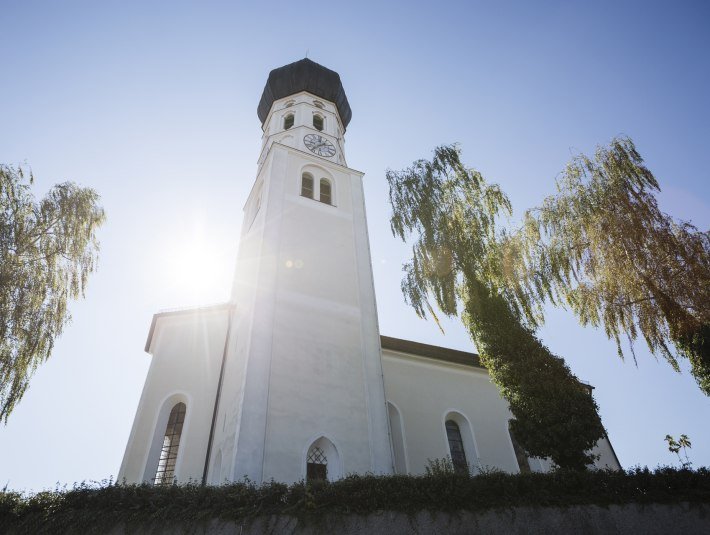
(165, 474)
(307, 185)
(318, 122)
(520, 454)
(326, 191)
(458, 455)
(288, 121)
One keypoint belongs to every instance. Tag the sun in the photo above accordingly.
(199, 267)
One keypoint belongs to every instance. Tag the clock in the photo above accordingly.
(319, 145)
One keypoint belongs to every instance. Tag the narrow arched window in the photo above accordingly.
(326, 191)
(165, 474)
(397, 434)
(520, 454)
(307, 185)
(288, 121)
(458, 455)
(316, 465)
(318, 122)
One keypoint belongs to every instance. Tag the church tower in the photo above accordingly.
(303, 382)
(285, 381)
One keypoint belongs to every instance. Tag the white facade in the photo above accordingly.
(428, 385)
(293, 367)
(187, 349)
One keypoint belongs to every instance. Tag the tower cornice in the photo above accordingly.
(315, 159)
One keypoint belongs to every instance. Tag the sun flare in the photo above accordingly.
(199, 268)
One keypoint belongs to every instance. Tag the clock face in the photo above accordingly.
(319, 145)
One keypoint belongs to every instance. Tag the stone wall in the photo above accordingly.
(588, 519)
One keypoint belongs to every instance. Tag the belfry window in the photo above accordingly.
(316, 465)
(318, 122)
(458, 455)
(520, 454)
(326, 192)
(288, 121)
(307, 186)
(165, 474)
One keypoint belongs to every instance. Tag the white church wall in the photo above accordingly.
(307, 344)
(319, 345)
(253, 254)
(318, 385)
(428, 392)
(257, 277)
(187, 348)
(383, 461)
(420, 386)
(607, 459)
(227, 419)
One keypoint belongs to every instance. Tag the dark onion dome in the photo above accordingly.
(304, 75)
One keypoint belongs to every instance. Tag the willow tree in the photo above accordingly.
(451, 215)
(47, 251)
(602, 247)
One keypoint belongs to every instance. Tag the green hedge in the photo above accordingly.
(96, 508)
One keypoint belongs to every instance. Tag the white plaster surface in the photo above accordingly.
(186, 349)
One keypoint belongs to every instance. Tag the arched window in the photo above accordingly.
(288, 121)
(397, 434)
(318, 122)
(165, 474)
(520, 454)
(458, 455)
(307, 185)
(316, 465)
(326, 191)
(322, 461)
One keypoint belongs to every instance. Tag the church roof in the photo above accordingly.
(304, 75)
(429, 351)
(218, 307)
(441, 353)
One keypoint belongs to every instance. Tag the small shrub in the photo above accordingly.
(439, 467)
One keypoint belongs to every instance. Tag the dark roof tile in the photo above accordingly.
(304, 75)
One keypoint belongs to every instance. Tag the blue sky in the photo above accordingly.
(154, 106)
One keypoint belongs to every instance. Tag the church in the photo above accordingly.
(291, 379)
